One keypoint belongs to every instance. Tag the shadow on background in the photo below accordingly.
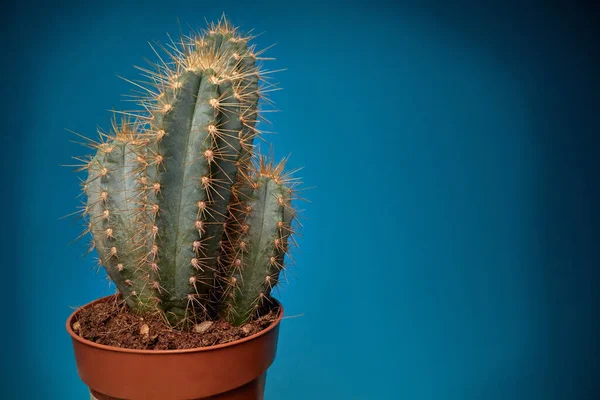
(450, 250)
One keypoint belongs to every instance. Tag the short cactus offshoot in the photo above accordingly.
(258, 232)
(114, 188)
(185, 218)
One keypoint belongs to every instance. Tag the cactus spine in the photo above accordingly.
(169, 196)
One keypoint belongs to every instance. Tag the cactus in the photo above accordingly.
(174, 199)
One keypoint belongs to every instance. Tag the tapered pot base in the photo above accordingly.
(250, 391)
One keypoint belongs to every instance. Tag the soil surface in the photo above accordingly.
(110, 323)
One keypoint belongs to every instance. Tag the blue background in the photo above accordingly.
(451, 246)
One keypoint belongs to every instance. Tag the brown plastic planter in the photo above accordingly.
(232, 371)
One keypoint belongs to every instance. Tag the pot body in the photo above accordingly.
(235, 370)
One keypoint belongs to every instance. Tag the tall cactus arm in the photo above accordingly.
(186, 190)
(200, 137)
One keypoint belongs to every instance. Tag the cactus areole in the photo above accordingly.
(189, 222)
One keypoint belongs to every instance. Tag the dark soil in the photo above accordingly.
(110, 323)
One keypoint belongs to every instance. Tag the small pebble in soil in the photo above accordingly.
(203, 326)
(247, 329)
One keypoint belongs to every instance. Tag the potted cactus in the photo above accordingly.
(192, 226)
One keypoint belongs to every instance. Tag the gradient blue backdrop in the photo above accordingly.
(451, 247)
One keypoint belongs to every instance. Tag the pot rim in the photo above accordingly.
(159, 352)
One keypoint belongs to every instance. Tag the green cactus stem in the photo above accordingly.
(200, 135)
(260, 244)
(113, 190)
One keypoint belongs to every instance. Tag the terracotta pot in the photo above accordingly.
(235, 370)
